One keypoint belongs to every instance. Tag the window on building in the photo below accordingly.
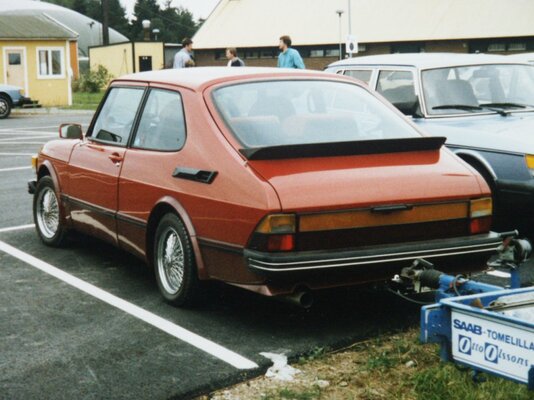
(497, 47)
(517, 47)
(14, 59)
(331, 52)
(317, 53)
(407, 48)
(51, 63)
(252, 54)
(266, 54)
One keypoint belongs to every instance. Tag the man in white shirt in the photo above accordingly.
(183, 58)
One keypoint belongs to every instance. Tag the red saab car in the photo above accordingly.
(274, 181)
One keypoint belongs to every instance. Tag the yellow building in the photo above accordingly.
(128, 57)
(38, 54)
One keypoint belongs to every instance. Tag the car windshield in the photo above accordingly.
(478, 88)
(276, 113)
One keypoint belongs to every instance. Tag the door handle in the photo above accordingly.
(116, 158)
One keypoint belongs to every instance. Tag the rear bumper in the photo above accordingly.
(474, 250)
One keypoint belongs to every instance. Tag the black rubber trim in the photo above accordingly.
(226, 247)
(105, 211)
(193, 174)
(335, 149)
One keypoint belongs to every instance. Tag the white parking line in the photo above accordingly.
(172, 329)
(17, 154)
(24, 138)
(499, 274)
(2, 143)
(17, 228)
(13, 169)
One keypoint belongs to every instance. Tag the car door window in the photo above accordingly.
(360, 74)
(162, 124)
(115, 120)
(399, 88)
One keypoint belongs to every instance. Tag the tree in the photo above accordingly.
(173, 23)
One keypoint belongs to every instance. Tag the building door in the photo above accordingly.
(15, 68)
(145, 63)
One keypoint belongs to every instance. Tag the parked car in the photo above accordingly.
(272, 180)
(483, 104)
(523, 57)
(11, 96)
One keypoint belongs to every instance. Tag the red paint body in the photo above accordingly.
(115, 193)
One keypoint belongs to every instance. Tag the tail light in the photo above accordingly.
(529, 159)
(480, 211)
(276, 232)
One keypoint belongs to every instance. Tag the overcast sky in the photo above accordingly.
(199, 8)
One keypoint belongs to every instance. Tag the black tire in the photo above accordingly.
(5, 106)
(174, 263)
(47, 214)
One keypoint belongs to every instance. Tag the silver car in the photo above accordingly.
(483, 104)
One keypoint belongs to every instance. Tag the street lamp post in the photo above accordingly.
(340, 13)
(146, 28)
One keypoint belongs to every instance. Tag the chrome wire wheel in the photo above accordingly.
(170, 260)
(4, 107)
(47, 213)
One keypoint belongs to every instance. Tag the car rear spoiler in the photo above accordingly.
(336, 149)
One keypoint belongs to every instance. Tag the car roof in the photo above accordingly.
(200, 77)
(426, 60)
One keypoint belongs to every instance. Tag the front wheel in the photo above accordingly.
(47, 213)
(174, 262)
(5, 107)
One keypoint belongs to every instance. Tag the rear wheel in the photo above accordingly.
(5, 107)
(47, 213)
(174, 262)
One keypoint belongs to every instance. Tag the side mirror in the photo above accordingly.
(409, 107)
(70, 131)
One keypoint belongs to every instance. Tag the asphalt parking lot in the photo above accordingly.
(87, 321)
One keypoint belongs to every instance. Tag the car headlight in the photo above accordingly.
(529, 159)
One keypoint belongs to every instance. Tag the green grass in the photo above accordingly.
(85, 101)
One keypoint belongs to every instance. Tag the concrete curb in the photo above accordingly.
(49, 111)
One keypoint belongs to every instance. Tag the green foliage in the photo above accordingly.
(314, 354)
(174, 23)
(93, 81)
(445, 382)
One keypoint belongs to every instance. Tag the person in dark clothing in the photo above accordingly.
(233, 59)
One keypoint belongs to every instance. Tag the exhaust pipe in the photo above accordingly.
(300, 298)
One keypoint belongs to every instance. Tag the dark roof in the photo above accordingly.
(33, 27)
(201, 77)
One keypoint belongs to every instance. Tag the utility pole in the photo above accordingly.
(340, 13)
(350, 27)
(105, 22)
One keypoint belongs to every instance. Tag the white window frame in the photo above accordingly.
(50, 49)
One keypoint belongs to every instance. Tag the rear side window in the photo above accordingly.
(398, 87)
(362, 75)
(115, 120)
(162, 124)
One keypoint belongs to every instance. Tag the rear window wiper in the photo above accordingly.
(505, 105)
(465, 107)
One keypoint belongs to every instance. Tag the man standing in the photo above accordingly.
(289, 58)
(183, 58)
(233, 59)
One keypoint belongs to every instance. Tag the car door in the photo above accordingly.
(150, 162)
(95, 164)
